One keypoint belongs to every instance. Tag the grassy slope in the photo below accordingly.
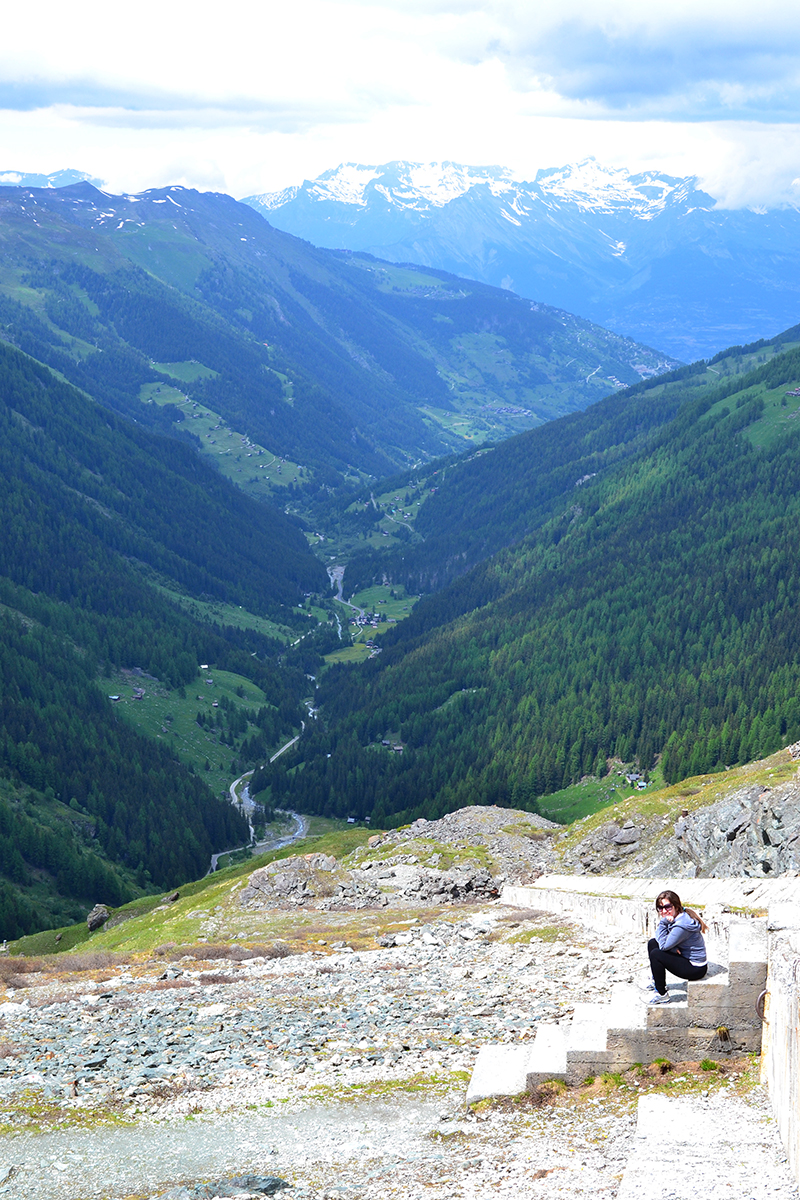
(499, 385)
(265, 477)
(170, 715)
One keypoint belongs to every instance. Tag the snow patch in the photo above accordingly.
(346, 184)
(272, 200)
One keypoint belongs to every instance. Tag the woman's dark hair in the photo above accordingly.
(675, 900)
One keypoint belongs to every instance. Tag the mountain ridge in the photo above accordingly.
(336, 361)
(646, 253)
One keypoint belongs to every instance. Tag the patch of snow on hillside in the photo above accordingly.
(441, 182)
(272, 200)
(597, 188)
(347, 184)
(400, 198)
(617, 248)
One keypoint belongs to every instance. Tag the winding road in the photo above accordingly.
(242, 799)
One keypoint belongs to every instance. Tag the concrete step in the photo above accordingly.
(503, 1070)
(500, 1070)
(714, 1016)
(714, 1148)
(549, 1057)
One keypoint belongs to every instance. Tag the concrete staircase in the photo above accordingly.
(711, 1018)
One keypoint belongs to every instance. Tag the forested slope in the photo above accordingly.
(480, 504)
(93, 511)
(336, 361)
(654, 611)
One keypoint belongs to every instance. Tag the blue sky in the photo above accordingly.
(252, 96)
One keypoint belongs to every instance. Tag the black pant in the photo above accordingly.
(662, 961)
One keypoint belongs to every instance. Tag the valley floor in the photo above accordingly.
(341, 1073)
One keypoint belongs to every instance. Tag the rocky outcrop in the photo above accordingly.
(97, 917)
(243, 1187)
(309, 878)
(612, 845)
(518, 844)
(442, 887)
(755, 831)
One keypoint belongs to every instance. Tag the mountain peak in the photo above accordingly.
(592, 185)
(56, 179)
(402, 184)
(624, 249)
(587, 184)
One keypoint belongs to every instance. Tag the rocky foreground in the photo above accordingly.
(339, 1073)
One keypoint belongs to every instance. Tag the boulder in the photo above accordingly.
(97, 917)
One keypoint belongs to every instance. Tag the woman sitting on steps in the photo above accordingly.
(678, 946)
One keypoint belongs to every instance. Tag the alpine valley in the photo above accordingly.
(207, 422)
(648, 254)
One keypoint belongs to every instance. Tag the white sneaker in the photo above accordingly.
(657, 998)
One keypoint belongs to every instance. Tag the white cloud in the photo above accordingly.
(263, 93)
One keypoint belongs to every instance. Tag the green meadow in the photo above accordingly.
(251, 466)
(170, 715)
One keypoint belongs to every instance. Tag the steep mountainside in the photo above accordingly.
(652, 611)
(332, 361)
(475, 505)
(116, 542)
(649, 255)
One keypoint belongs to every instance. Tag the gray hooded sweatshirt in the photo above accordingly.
(682, 934)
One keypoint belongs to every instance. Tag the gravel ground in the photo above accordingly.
(341, 1073)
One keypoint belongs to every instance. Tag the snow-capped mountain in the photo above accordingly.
(57, 179)
(648, 254)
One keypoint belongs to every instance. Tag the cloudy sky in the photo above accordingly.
(254, 95)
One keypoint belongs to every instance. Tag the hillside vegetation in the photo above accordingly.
(338, 363)
(209, 908)
(462, 510)
(652, 612)
(103, 523)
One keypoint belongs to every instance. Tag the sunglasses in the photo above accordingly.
(664, 907)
